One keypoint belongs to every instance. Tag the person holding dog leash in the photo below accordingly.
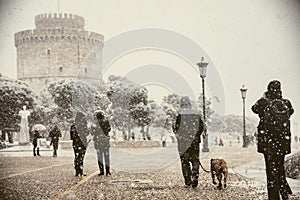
(188, 129)
(274, 138)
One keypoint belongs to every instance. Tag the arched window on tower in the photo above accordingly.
(85, 70)
(60, 69)
(48, 51)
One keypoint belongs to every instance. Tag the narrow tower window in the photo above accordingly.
(60, 69)
(48, 51)
(85, 70)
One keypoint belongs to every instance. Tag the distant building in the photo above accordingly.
(57, 49)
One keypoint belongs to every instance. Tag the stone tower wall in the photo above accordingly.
(55, 49)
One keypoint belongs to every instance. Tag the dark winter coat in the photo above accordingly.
(55, 134)
(100, 131)
(36, 136)
(188, 129)
(78, 137)
(272, 141)
(79, 132)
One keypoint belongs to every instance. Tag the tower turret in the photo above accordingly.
(55, 49)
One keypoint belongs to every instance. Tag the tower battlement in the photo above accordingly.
(59, 20)
(38, 35)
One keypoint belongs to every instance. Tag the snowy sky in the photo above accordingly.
(249, 42)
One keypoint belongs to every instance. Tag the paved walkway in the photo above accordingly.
(241, 161)
(256, 170)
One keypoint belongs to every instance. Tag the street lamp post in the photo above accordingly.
(243, 93)
(202, 68)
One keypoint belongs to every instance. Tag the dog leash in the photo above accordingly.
(207, 171)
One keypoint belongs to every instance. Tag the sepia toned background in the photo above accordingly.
(249, 42)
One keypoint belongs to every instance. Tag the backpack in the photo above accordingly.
(276, 115)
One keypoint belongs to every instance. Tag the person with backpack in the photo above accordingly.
(274, 138)
(188, 128)
(101, 138)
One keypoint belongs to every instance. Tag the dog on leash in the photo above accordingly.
(218, 168)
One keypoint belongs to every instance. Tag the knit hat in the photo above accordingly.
(274, 86)
(185, 102)
(99, 115)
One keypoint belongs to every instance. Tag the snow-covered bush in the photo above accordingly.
(63, 99)
(14, 94)
(129, 103)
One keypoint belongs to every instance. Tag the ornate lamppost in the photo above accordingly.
(243, 93)
(202, 69)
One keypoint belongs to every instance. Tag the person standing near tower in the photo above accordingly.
(78, 133)
(274, 138)
(101, 142)
(188, 129)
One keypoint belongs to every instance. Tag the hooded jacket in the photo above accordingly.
(270, 140)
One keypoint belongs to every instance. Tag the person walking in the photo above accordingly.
(36, 136)
(188, 128)
(221, 143)
(274, 138)
(101, 139)
(55, 134)
(79, 132)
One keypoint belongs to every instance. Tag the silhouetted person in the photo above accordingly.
(78, 133)
(188, 129)
(101, 139)
(221, 143)
(164, 141)
(274, 138)
(36, 136)
(55, 134)
(132, 136)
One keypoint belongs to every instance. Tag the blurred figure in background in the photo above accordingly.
(36, 136)
(55, 134)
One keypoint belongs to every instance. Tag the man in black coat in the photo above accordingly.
(78, 133)
(188, 129)
(274, 137)
(55, 134)
(101, 138)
